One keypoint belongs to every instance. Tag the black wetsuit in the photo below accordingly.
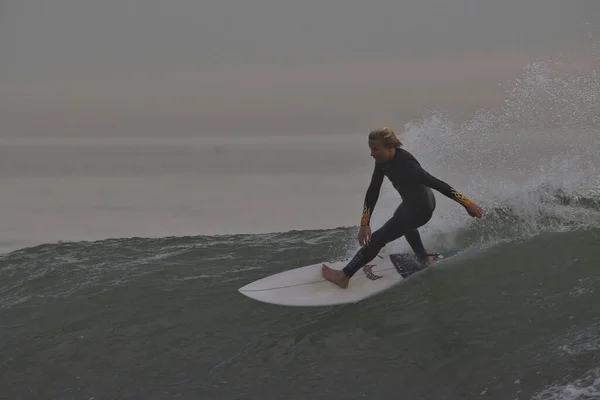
(418, 203)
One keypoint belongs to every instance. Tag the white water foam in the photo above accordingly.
(525, 158)
(585, 388)
(580, 341)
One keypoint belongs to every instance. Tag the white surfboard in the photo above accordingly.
(306, 287)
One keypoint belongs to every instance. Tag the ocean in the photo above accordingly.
(121, 259)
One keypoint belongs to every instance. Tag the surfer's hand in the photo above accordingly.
(364, 235)
(474, 210)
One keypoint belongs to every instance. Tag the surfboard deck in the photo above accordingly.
(306, 287)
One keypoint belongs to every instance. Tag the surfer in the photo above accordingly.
(414, 185)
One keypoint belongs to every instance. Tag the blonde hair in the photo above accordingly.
(386, 136)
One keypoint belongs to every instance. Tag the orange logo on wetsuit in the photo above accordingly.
(366, 216)
(368, 270)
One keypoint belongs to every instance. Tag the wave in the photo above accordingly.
(531, 164)
(535, 210)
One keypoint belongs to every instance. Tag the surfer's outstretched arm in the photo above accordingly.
(429, 180)
(372, 196)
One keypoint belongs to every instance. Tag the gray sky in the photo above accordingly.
(189, 67)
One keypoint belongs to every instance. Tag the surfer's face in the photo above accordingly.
(379, 152)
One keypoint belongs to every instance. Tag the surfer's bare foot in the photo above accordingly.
(335, 276)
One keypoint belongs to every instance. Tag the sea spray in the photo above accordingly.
(519, 162)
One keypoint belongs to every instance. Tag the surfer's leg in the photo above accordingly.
(405, 221)
(414, 240)
(422, 215)
(394, 228)
(416, 244)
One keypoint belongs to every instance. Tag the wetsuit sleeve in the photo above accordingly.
(427, 179)
(371, 196)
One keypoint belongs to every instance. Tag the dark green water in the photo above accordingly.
(514, 317)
